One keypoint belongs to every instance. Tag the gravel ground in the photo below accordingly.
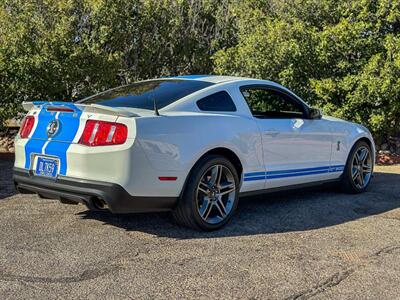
(305, 244)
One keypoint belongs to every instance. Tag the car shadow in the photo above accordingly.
(298, 210)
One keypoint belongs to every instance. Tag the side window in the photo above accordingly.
(220, 101)
(270, 103)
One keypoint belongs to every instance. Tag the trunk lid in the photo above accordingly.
(60, 121)
(58, 125)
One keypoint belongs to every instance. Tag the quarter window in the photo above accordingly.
(271, 103)
(220, 101)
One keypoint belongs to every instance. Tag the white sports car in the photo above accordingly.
(188, 144)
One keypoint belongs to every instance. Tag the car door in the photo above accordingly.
(296, 149)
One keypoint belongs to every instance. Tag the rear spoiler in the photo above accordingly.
(71, 107)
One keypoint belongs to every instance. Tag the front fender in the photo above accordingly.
(347, 134)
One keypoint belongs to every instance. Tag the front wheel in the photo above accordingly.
(210, 196)
(358, 170)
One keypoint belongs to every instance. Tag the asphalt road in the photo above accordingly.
(307, 244)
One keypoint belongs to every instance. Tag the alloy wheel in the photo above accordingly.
(361, 168)
(216, 193)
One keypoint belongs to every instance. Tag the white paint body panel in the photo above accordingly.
(296, 144)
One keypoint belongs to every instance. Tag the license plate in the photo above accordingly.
(46, 167)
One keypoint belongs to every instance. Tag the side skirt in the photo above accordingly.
(290, 187)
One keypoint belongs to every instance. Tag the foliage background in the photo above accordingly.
(340, 56)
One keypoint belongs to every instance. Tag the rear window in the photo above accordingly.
(220, 101)
(141, 94)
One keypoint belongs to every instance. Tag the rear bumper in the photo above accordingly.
(96, 195)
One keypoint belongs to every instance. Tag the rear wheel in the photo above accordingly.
(358, 170)
(210, 196)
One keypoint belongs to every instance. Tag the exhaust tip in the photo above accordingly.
(99, 204)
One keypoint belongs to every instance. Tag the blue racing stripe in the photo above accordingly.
(59, 144)
(298, 170)
(40, 102)
(337, 168)
(38, 138)
(292, 173)
(254, 174)
(297, 174)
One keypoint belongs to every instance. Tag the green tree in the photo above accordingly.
(342, 56)
(68, 49)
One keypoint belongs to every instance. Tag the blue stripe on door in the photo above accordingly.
(292, 173)
(299, 170)
(255, 174)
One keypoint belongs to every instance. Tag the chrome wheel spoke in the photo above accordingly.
(203, 187)
(356, 160)
(362, 155)
(206, 208)
(216, 174)
(361, 178)
(366, 168)
(221, 207)
(227, 188)
(354, 173)
(227, 191)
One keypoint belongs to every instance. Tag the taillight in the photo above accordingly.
(101, 133)
(26, 127)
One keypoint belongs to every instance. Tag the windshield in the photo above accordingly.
(141, 94)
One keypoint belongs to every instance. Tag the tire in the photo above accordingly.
(351, 182)
(208, 194)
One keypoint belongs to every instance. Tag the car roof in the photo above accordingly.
(222, 80)
(209, 78)
(218, 79)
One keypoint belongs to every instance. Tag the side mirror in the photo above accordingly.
(315, 114)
